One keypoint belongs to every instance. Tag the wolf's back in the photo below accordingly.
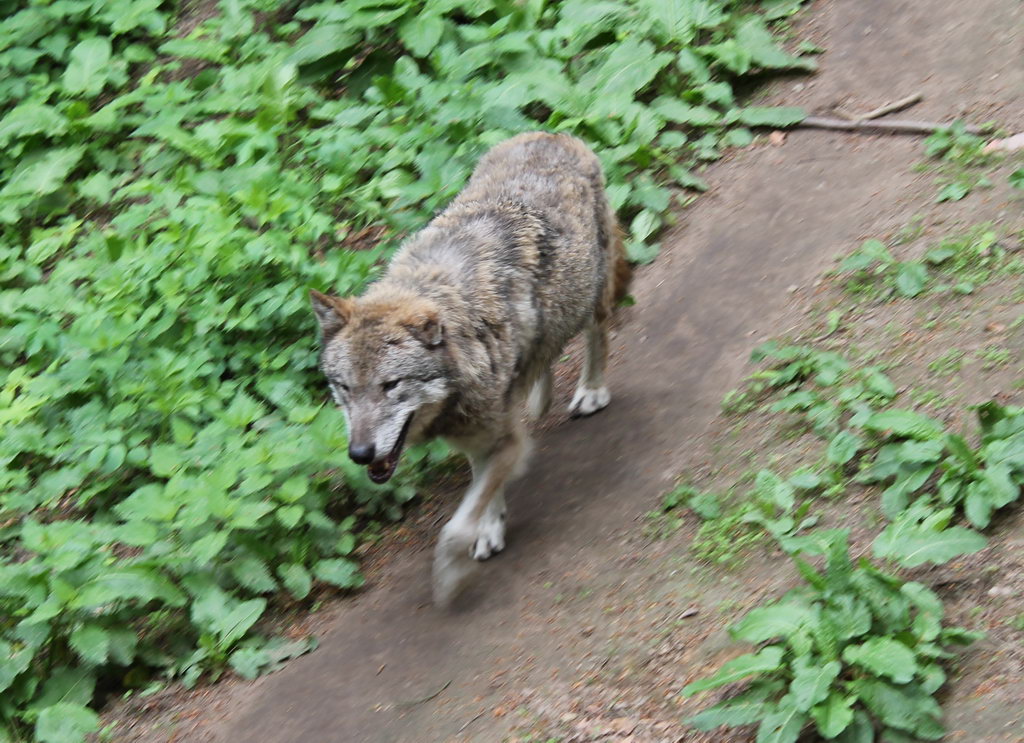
(522, 259)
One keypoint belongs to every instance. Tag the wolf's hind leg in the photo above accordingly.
(477, 529)
(592, 394)
(540, 395)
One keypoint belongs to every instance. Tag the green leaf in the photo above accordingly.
(770, 487)
(238, 621)
(92, 643)
(339, 572)
(884, 656)
(123, 584)
(905, 708)
(782, 725)
(860, 730)
(680, 112)
(421, 33)
(811, 682)
(834, 715)
(66, 685)
(911, 279)
(768, 659)
(65, 723)
(953, 192)
(253, 573)
(772, 116)
(770, 622)
(296, 579)
(249, 662)
(753, 37)
(843, 447)
(743, 709)
(323, 41)
(905, 423)
(88, 67)
(44, 174)
(912, 542)
(1017, 178)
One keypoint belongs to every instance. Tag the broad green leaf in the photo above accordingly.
(249, 662)
(770, 622)
(322, 41)
(66, 685)
(1017, 178)
(953, 191)
(911, 279)
(92, 643)
(253, 573)
(296, 579)
(910, 542)
(233, 626)
(43, 174)
(901, 707)
(811, 682)
(680, 112)
(764, 51)
(834, 715)
(31, 118)
(783, 725)
(773, 489)
(771, 116)
(88, 67)
(860, 730)
(884, 656)
(421, 33)
(843, 447)
(65, 723)
(906, 423)
(768, 659)
(339, 572)
(743, 709)
(128, 583)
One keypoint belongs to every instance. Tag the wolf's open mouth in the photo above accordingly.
(381, 470)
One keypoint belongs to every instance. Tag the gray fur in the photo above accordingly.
(472, 311)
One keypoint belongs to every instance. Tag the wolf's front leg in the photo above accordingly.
(477, 530)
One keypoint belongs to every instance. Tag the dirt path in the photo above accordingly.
(578, 585)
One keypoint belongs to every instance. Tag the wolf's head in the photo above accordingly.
(385, 365)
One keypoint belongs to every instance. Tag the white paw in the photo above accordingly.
(452, 564)
(490, 535)
(539, 401)
(588, 401)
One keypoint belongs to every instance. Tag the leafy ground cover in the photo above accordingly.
(934, 473)
(172, 179)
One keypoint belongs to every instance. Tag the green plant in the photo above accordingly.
(875, 272)
(948, 363)
(994, 356)
(962, 153)
(974, 483)
(855, 652)
(770, 507)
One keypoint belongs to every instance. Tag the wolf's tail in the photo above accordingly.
(621, 273)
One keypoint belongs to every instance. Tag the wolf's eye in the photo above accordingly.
(388, 386)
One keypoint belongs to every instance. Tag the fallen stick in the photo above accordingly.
(420, 700)
(891, 107)
(891, 127)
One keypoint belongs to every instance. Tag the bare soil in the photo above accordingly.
(588, 625)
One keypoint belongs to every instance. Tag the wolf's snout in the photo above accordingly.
(361, 453)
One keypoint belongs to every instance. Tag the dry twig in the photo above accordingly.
(879, 127)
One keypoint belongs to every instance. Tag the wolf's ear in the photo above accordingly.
(333, 313)
(427, 328)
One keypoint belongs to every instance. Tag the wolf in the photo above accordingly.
(461, 331)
